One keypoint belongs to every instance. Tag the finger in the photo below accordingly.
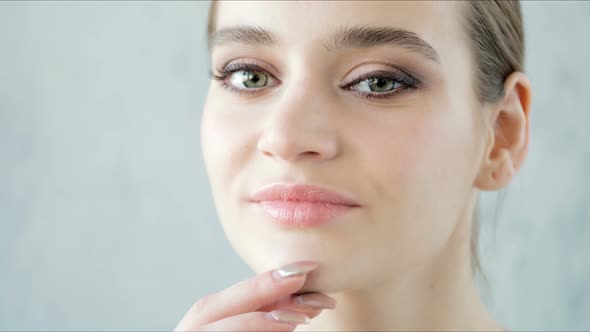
(248, 295)
(310, 304)
(280, 320)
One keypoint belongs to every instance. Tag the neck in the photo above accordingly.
(440, 295)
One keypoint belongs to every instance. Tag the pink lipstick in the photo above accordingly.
(302, 205)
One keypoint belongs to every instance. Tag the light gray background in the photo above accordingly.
(106, 218)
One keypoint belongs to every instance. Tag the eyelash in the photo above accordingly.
(408, 81)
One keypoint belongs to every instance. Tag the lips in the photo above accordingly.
(302, 205)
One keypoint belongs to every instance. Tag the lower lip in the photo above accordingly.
(303, 214)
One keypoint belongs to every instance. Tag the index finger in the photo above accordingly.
(250, 294)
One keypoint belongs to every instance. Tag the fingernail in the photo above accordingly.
(316, 301)
(288, 316)
(294, 269)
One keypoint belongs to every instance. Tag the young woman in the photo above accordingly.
(347, 142)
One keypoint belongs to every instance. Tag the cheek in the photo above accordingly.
(226, 150)
(225, 141)
(418, 168)
(423, 160)
(436, 147)
(417, 146)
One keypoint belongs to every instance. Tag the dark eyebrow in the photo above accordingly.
(246, 34)
(355, 36)
(360, 36)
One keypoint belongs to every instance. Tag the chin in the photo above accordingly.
(328, 280)
(266, 251)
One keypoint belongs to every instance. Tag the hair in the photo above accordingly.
(495, 29)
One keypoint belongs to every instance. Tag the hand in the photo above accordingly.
(265, 302)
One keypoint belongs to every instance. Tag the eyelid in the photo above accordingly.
(230, 69)
(246, 64)
(405, 78)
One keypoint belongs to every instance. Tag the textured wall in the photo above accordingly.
(106, 219)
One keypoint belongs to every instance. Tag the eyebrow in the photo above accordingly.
(355, 36)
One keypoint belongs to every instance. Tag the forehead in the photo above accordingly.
(308, 23)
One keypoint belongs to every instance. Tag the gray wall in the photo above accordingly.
(106, 219)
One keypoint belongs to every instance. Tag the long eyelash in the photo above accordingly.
(408, 82)
(223, 82)
(232, 68)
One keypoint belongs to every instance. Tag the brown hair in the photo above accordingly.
(497, 35)
(211, 19)
(496, 31)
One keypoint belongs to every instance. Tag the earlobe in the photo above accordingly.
(497, 173)
(507, 145)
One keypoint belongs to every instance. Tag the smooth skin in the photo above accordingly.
(244, 306)
(416, 161)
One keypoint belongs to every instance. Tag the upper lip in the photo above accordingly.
(302, 192)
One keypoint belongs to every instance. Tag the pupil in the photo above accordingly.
(251, 76)
(379, 83)
(252, 79)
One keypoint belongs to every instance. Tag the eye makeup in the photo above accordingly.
(401, 79)
(405, 81)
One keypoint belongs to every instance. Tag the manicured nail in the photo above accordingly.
(288, 316)
(294, 269)
(316, 300)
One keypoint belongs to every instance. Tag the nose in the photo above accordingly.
(300, 127)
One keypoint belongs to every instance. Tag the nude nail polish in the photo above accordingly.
(294, 269)
(288, 316)
(315, 301)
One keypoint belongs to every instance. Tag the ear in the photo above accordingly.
(508, 134)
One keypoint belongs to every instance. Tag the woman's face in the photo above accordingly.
(410, 158)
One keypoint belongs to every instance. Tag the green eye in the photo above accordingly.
(380, 84)
(249, 78)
